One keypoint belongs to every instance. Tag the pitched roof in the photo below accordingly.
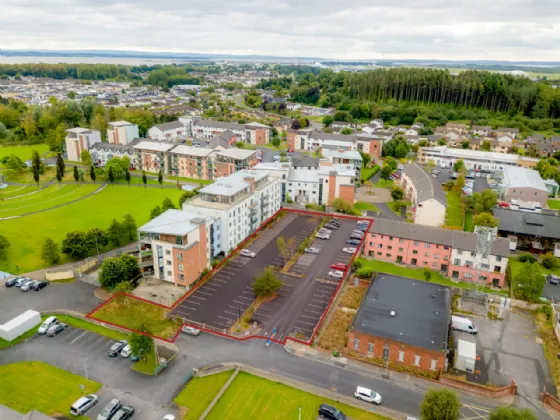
(534, 224)
(425, 185)
(405, 310)
(173, 125)
(507, 130)
(218, 124)
(422, 233)
(111, 146)
(331, 136)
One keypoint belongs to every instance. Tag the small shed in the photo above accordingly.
(465, 357)
(19, 325)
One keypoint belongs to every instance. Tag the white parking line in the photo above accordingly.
(198, 297)
(189, 302)
(315, 312)
(78, 337)
(229, 319)
(203, 293)
(310, 317)
(243, 297)
(303, 322)
(209, 288)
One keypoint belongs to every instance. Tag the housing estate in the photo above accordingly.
(170, 131)
(404, 321)
(79, 139)
(122, 132)
(253, 133)
(101, 153)
(451, 252)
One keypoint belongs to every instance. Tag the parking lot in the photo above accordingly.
(299, 304)
(480, 184)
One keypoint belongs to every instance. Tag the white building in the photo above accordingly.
(351, 158)
(171, 131)
(79, 139)
(122, 132)
(101, 153)
(242, 201)
(474, 159)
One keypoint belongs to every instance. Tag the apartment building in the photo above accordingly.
(451, 252)
(171, 131)
(429, 201)
(192, 162)
(253, 133)
(79, 139)
(122, 132)
(153, 156)
(257, 134)
(445, 157)
(101, 153)
(346, 157)
(242, 201)
(178, 246)
(229, 161)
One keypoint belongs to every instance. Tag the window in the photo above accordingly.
(389, 247)
(425, 262)
(434, 265)
(401, 249)
(356, 344)
(388, 255)
(370, 348)
(498, 259)
(436, 256)
(168, 273)
(401, 241)
(390, 238)
(386, 352)
(168, 262)
(446, 247)
(167, 252)
(414, 252)
(433, 364)
(467, 275)
(416, 243)
(180, 256)
(426, 254)
(181, 277)
(380, 253)
(371, 244)
(473, 254)
(456, 261)
(380, 246)
(401, 356)
(426, 244)
(180, 267)
(416, 360)
(446, 257)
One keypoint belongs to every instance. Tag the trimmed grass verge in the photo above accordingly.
(23, 152)
(384, 183)
(27, 386)
(363, 206)
(90, 326)
(454, 212)
(252, 397)
(191, 180)
(148, 366)
(553, 204)
(367, 173)
(469, 227)
(199, 393)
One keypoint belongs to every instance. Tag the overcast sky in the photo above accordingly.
(520, 30)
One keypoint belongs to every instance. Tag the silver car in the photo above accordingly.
(109, 410)
(25, 287)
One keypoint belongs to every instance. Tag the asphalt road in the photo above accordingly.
(386, 213)
(480, 184)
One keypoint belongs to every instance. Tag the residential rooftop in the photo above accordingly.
(525, 223)
(120, 123)
(173, 222)
(239, 154)
(350, 154)
(426, 186)
(155, 146)
(234, 183)
(192, 151)
(519, 177)
(472, 154)
(172, 125)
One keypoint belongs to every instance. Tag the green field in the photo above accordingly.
(199, 393)
(27, 386)
(16, 191)
(252, 397)
(454, 212)
(553, 204)
(23, 152)
(27, 234)
(52, 196)
(148, 365)
(469, 227)
(363, 206)
(384, 183)
(367, 173)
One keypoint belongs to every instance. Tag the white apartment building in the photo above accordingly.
(350, 158)
(122, 132)
(101, 153)
(242, 201)
(474, 159)
(171, 131)
(79, 139)
(253, 133)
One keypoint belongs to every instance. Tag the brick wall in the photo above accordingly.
(291, 140)
(510, 389)
(347, 193)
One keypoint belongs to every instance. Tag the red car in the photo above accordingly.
(504, 204)
(339, 266)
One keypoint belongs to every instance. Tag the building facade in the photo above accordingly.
(122, 132)
(101, 153)
(153, 156)
(79, 139)
(445, 157)
(171, 131)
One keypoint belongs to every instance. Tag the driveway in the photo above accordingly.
(552, 292)
(480, 184)
(386, 213)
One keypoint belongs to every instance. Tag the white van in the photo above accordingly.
(49, 322)
(463, 324)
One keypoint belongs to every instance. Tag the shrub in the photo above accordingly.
(365, 273)
(357, 264)
(527, 258)
(549, 261)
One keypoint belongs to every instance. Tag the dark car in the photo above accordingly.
(117, 347)
(353, 242)
(38, 285)
(125, 412)
(334, 222)
(331, 226)
(331, 413)
(552, 279)
(56, 329)
(11, 282)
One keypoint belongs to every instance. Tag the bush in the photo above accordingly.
(527, 258)
(365, 273)
(357, 265)
(549, 261)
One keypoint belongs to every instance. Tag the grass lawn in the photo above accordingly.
(16, 191)
(23, 152)
(27, 386)
(393, 206)
(553, 204)
(25, 176)
(454, 213)
(282, 146)
(384, 183)
(469, 227)
(147, 366)
(199, 393)
(363, 206)
(191, 180)
(367, 173)
(132, 313)
(417, 273)
(516, 266)
(252, 397)
(90, 326)
(27, 234)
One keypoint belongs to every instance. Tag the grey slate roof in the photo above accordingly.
(535, 224)
(419, 319)
(111, 146)
(170, 125)
(426, 186)
(221, 139)
(331, 136)
(454, 238)
(218, 124)
(304, 161)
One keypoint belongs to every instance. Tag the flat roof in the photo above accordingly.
(78, 130)
(192, 151)
(231, 185)
(20, 319)
(155, 146)
(236, 153)
(472, 154)
(517, 176)
(119, 123)
(405, 310)
(522, 222)
(350, 154)
(173, 222)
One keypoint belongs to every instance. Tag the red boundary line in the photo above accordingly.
(233, 253)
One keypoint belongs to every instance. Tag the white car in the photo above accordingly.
(349, 250)
(190, 330)
(312, 250)
(168, 417)
(49, 322)
(336, 274)
(247, 253)
(325, 230)
(323, 236)
(367, 395)
(127, 351)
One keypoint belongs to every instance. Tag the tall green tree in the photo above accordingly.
(76, 245)
(160, 178)
(127, 176)
(129, 227)
(35, 175)
(76, 174)
(85, 157)
(167, 204)
(58, 174)
(60, 163)
(110, 175)
(529, 283)
(386, 171)
(156, 211)
(397, 193)
(50, 251)
(115, 232)
(36, 162)
(144, 178)
(267, 284)
(440, 404)
(141, 344)
(92, 174)
(485, 219)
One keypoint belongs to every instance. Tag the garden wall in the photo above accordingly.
(550, 402)
(53, 275)
(505, 391)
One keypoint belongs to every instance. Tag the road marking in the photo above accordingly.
(201, 298)
(315, 312)
(204, 293)
(209, 288)
(243, 297)
(189, 301)
(229, 319)
(303, 322)
(310, 317)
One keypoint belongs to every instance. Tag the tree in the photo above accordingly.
(129, 226)
(267, 284)
(366, 159)
(35, 175)
(281, 244)
(85, 157)
(485, 146)
(141, 344)
(485, 219)
(457, 166)
(13, 162)
(465, 144)
(160, 178)
(75, 245)
(115, 232)
(460, 182)
(346, 131)
(127, 176)
(50, 252)
(529, 283)
(397, 193)
(92, 174)
(341, 206)
(392, 163)
(60, 163)
(328, 120)
(275, 141)
(485, 201)
(4, 245)
(58, 174)
(401, 151)
(36, 162)
(185, 196)
(110, 175)
(386, 171)
(144, 178)
(76, 174)
(118, 269)
(427, 274)
(290, 246)
(549, 261)
(440, 404)
(512, 413)
(130, 267)
(167, 204)
(156, 211)
(97, 238)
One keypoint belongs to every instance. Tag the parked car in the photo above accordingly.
(248, 253)
(312, 250)
(356, 237)
(367, 395)
(353, 242)
(38, 285)
(190, 330)
(322, 236)
(553, 279)
(478, 175)
(25, 287)
(503, 204)
(335, 222)
(20, 281)
(348, 250)
(117, 347)
(11, 282)
(109, 409)
(83, 404)
(50, 321)
(358, 232)
(454, 175)
(123, 413)
(339, 266)
(168, 417)
(325, 230)
(336, 274)
(330, 413)
(126, 351)
(331, 226)
(56, 329)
